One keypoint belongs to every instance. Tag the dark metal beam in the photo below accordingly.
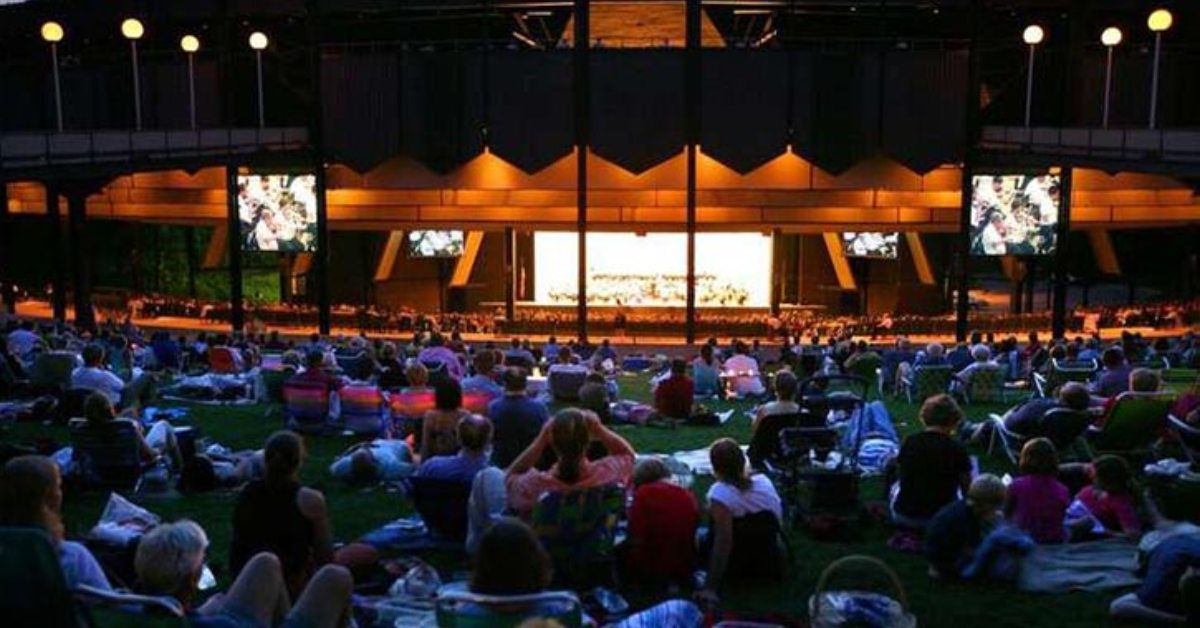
(1062, 238)
(971, 121)
(691, 115)
(58, 277)
(237, 313)
(81, 272)
(581, 90)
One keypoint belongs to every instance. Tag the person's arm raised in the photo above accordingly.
(532, 453)
(613, 442)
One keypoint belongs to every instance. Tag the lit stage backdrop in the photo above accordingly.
(732, 269)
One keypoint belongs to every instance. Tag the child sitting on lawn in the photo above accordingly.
(1037, 501)
(1106, 507)
(965, 541)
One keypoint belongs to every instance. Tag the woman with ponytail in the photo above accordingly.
(568, 434)
(278, 515)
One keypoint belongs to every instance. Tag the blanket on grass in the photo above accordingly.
(1093, 566)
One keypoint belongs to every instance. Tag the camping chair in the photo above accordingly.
(363, 409)
(477, 401)
(107, 455)
(756, 543)
(578, 530)
(306, 407)
(460, 609)
(51, 371)
(1189, 437)
(565, 385)
(1157, 363)
(273, 381)
(986, 386)
(221, 360)
(442, 505)
(1134, 423)
(764, 442)
(927, 381)
(355, 366)
(809, 489)
(1060, 372)
(1062, 426)
(870, 370)
(408, 409)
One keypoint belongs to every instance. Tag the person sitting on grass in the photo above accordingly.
(568, 434)
(170, 560)
(706, 373)
(512, 562)
(278, 515)
(31, 497)
(1170, 593)
(674, 395)
(738, 496)
(593, 395)
(1037, 501)
(963, 540)
(517, 419)
(160, 442)
(661, 548)
(94, 375)
(932, 467)
(742, 371)
(1106, 507)
(439, 425)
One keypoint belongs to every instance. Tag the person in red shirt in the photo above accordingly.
(661, 548)
(673, 397)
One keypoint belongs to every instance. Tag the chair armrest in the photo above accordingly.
(89, 594)
(1182, 426)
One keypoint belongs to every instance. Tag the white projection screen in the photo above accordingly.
(732, 269)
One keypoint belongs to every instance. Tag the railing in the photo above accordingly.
(42, 149)
(1164, 145)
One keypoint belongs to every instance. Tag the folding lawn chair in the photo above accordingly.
(1189, 438)
(1060, 372)
(578, 530)
(1062, 426)
(460, 609)
(927, 381)
(306, 407)
(1133, 424)
(363, 410)
(107, 456)
(986, 386)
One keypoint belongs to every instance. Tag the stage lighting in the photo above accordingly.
(1033, 34)
(52, 32)
(189, 43)
(258, 41)
(132, 29)
(1160, 20)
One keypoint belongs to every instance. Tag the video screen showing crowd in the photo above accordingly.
(1014, 214)
(278, 212)
(871, 244)
(434, 243)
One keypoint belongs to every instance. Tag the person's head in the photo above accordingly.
(1111, 474)
(786, 385)
(485, 363)
(740, 348)
(97, 408)
(510, 561)
(934, 350)
(1075, 396)
(93, 355)
(447, 395)
(564, 355)
(170, 559)
(678, 367)
(981, 353)
(729, 463)
(1143, 380)
(1112, 357)
(1033, 338)
(417, 374)
(649, 470)
(474, 433)
(388, 351)
(986, 495)
(569, 438)
(31, 495)
(552, 341)
(364, 469)
(706, 353)
(941, 412)
(284, 453)
(514, 381)
(314, 360)
(1039, 457)
(436, 340)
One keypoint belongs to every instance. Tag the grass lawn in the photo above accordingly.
(355, 512)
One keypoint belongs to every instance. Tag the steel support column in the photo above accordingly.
(81, 271)
(691, 116)
(58, 277)
(237, 313)
(1062, 238)
(971, 123)
(581, 91)
(510, 274)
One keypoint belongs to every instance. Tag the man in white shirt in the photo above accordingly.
(93, 376)
(992, 240)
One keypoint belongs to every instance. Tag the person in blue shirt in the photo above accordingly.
(550, 349)
(1171, 590)
(483, 380)
(605, 352)
(516, 418)
(474, 436)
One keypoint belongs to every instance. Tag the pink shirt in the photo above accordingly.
(1038, 504)
(1116, 512)
(525, 489)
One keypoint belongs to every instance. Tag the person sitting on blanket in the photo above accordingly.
(735, 495)
(159, 442)
(1106, 507)
(742, 371)
(569, 434)
(31, 497)
(786, 386)
(954, 536)
(674, 395)
(1037, 501)
(170, 561)
(661, 548)
(511, 562)
(314, 374)
(706, 373)
(379, 460)
(932, 466)
(474, 434)
(1170, 594)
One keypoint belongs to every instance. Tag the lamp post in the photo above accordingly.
(52, 33)
(1159, 21)
(1110, 38)
(133, 30)
(258, 41)
(190, 44)
(1033, 36)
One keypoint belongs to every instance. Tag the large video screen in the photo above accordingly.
(278, 212)
(430, 243)
(732, 269)
(871, 244)
(1014, 214)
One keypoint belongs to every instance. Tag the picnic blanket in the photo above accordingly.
(697, 460)
(407, 534)
(1093, 566)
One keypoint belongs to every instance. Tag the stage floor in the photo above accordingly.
(41, 310)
